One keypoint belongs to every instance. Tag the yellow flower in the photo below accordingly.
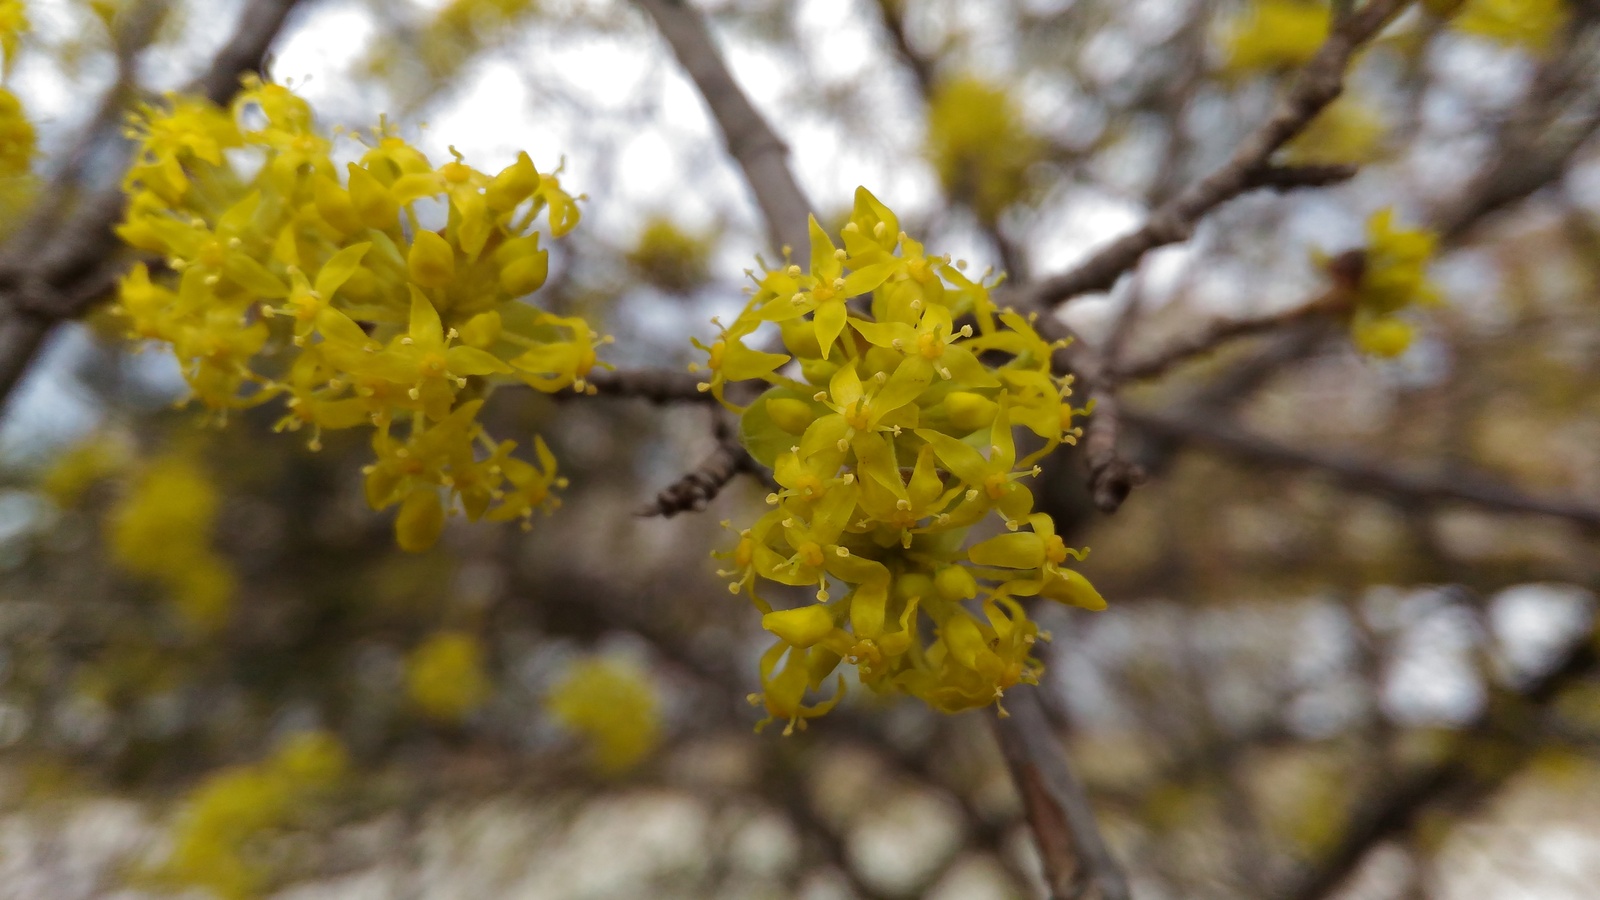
(979, 145)
(669, 258)
(445, 676)
(17, 140)
(13, 25)
(287, 283)
(1529, 23)
(822, 292)
(1345, 132)
(1043, 553)
(613, 706)
(224, 819)
(1275, 34)
(1394, 278)
(728, 359)
(882, 474)
(161, 530)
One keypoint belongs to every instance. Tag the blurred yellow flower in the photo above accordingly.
(1345, 132)
(612, 705)
(17, 140)
(1393, 278)
(1275, 34)
(670, 258)
(445, 675)
(161, 529)
(1528, 23)
(979, 145)
(236, 808)
(75, 471)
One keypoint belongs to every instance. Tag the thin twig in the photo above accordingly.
(1463, 774)
(1222, 331)
(695, 490)
(659, 386)
(1074, 854)
(750, 140)
(1356, 474)
(1319, 84)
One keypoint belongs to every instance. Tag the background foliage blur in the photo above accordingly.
(217, 672)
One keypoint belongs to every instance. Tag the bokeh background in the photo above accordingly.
(1311, 681)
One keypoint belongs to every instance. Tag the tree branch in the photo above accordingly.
(1074, 854)
(1464, 773)
(695, 490)
(1356, 474)
(1319, 84)
(658, 386)
(750, 140)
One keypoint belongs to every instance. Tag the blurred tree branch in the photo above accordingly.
(760, 153)
(1075, 856)
(1249, 167)
(1206, 430)
(1467, 773)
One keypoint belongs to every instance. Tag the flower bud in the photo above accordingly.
(482, 330)
(1383, 336)
(793, 416)
(912, 584)
(1072, 589)
(955, 583)
(524, 266)
(800, 627)
(800, 336)
(818, 371)
(421, 520)
(969, 411)
(432, 261)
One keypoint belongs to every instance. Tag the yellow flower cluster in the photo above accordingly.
(75, 471)
(894, 442)
(17, 140)
(1346, 132)
(445, 676)
(979, 145)
(670, 258)
(1274, 34)
(13, 25)
(613, 706)
(234, 809)
(1529, 23)
(1394, 277)
(287, 277)
(161, 529)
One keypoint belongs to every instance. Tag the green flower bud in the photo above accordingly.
(912, 584)
(800, 336)
(968, 411)
(524, 266)
(482, 330)
(818, 371)
(955, 583)
(793, 416)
